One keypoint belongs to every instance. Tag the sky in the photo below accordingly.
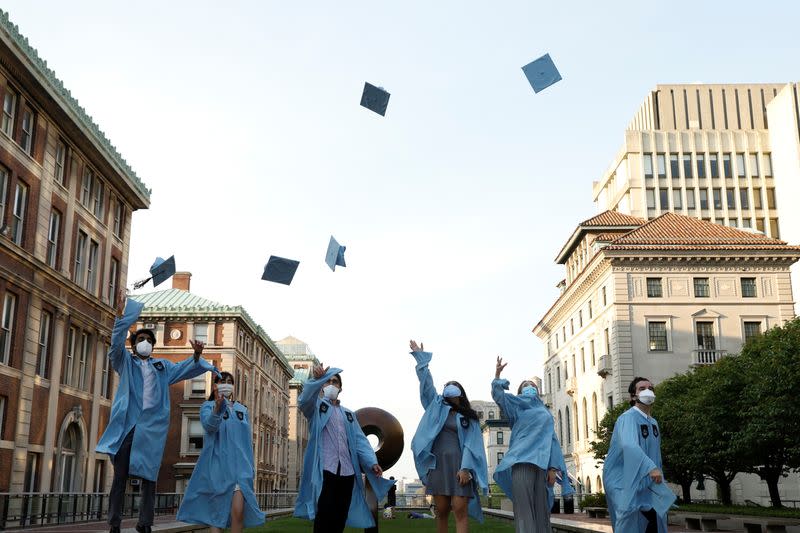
(243, 118)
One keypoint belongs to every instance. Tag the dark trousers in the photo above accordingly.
(334, 503)
(115, 498)
(652, 522)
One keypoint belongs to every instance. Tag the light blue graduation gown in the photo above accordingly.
(226, 460)
(533, 439)
(470, 438)
(126, 410)
(634, 452)
(318, 412)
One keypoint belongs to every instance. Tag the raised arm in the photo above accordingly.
(310, 396)
(427, 392)
(210, 417)
(128, 311)
(191, 367)
(508, 403)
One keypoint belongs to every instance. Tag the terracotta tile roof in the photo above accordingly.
(613, 218)
(607, 237)
(673, 231)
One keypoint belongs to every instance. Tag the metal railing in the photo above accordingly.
(31, 509)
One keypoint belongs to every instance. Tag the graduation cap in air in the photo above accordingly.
(160, 272)
(375, 99)
(541, 73)
(335, 255)
(280, 270)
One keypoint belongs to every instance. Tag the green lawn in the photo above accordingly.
(295, 525)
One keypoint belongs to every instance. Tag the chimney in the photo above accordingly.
(181, 280)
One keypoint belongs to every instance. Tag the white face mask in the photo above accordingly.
(331, 392)
(647, 397)
(144, 348)
(225, 389)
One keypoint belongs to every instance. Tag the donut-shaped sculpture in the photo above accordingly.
(387, 428)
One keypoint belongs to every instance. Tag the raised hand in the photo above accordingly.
(318, 371)
(499, 368)
(218, 399)
(198, 349)
(122, 297)
(416, 348)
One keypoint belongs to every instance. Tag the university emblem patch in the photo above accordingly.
(655, 431)
(225, 415)
(645, 430)
(240, 415)
(349, 416)
(158, 365)
(464, 422)
(323, 408)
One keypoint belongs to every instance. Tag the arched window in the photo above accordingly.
(577, 426)
(585, 421)
(594, 411)
(69, 463)
(599, 484)
(560, 428)
(568, 425)
(588, 485)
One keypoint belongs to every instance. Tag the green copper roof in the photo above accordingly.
(180, 302)
(58, 87)
(300, 376)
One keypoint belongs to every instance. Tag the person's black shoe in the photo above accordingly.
(144, 529)
(114, 529)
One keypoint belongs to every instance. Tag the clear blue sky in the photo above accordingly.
(243, 118)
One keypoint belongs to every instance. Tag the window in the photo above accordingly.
(568, 425)
(751, 329)
(31, 483)
(80, 252)
(730, 195)
(500, 456)
(500, 439)
(754, 165)
(701, 289)
(703, 199)
(744, 199)
(654, 289)
(59, 172)
(771, 198)
(760, 224)
(717, 198)
(18, 219)
(749, 287)
(657, 333)
(100, 474)
(3, 192)
(84, 362)
(198, 385)
(119, 217)
(757, 198)
(105, 383)
(9, 112)
(98, 195)
(91, 267)
(583, 360)
(603, 292)
(591, 351)
(690, 199)
(7, 327)
(491, 415)
(43, 360)
(608, 342)
(663, 199)
(662, 166)
(86, 187)
(194, 430)
(69, 362)
(651, 198)
(571, 327)
(767, 159)
(773, 228)
(740, 171)
(726, 166)
(52, 238)
(701, 166)
(687, 166)
(714, 164)
(590, 310)
(580, 318)
(113, 281)
(28, 122)
(558, 378)
(677, 202)
(648, 165)
(705, 336)
(674, 166)
(747, 223)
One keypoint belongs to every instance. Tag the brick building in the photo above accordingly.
(66, 198)
(235, 344)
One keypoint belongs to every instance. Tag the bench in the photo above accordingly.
(773, 525)
(703, 522)
(596, 512)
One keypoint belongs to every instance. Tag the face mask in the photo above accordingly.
(331, 392)
(647, 397)
(144, 348)
(225, 389)
(529, 391)
(451, 391)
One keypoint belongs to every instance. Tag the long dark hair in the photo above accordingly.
(463, 406)
(217, 379)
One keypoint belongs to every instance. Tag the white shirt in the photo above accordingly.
(648, 417)
(150, 392)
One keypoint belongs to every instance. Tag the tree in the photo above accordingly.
(769, 438)
(599, 446)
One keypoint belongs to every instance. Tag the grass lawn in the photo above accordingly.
(295, 525)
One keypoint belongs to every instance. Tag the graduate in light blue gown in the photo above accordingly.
(529, 468)
(448, 448)
(137, 430)
(220, 493)
(637, 496)
(332, 490)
